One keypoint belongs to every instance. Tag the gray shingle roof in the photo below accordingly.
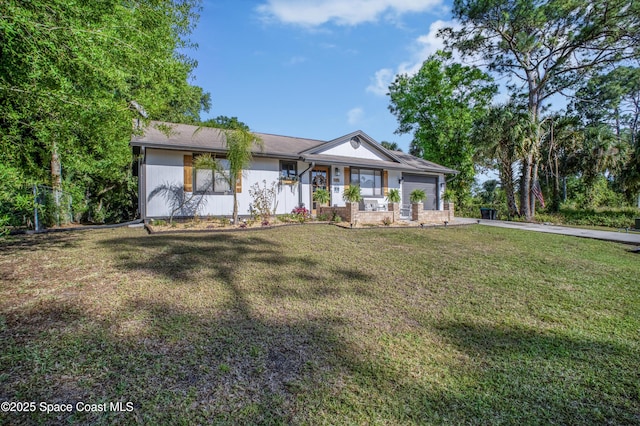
(206, 139)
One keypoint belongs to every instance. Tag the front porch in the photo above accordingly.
(357, 213)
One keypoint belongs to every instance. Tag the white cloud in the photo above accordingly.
(423, 47)
(355, 116)
(381, 81)
(296, 60)
(312, 13)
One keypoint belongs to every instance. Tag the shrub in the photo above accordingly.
(301, 214)
(323, 217)
(263, 200)
(386, 221)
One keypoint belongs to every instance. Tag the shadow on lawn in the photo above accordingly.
(227, 365)
(176, 364)
(17, 243)
(521, 376)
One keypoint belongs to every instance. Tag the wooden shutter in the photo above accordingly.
(188, 173)
(385, 182)
(347, 177)
(239, 183)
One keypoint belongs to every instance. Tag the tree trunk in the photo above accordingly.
(525, 187)
(555, 205)
(532, 197)
(235, 208)
(506, 177)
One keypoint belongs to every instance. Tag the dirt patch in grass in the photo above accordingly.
(311, 324)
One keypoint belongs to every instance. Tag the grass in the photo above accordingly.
(320, 325)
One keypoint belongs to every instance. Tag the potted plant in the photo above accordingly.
(393, 197)
(352, 197)
(321, 196)
(352, 194)
(417, 197)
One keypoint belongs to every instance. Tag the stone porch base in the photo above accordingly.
(351, 213)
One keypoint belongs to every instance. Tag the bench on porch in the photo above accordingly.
(368, 205)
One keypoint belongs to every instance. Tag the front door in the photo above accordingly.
(319, 180)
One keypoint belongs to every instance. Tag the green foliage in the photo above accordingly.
(550, 46)
(322, 196)
(393, 146)
(301, 214)
(239, 144)
(393, 196)
(417, 196)
(224, 122)
(448, 195)
(500, 139)
(16, 199)
(597, 193)
(69, 76)
(610, 102)
(607, 217)
(439, 105)
(352, 194)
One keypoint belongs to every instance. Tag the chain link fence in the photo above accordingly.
(35, 207)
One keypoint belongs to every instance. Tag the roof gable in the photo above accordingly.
(354, 145)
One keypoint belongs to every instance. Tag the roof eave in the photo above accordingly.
(195, 148)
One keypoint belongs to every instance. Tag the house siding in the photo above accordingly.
(166, 168)
(346, 150)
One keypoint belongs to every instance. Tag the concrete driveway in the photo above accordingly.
(619, 237)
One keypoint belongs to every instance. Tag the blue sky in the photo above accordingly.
(318, 68)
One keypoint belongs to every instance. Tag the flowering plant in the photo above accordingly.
(302, 213)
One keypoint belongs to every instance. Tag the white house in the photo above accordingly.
(170, 185)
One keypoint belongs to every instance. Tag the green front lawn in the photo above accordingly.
(321, 325)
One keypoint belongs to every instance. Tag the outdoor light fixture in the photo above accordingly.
(337, 172)
(401, 179)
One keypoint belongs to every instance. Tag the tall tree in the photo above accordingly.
(439, 105)
(564, 135)
(68, 76)
(547, 47)
(499, 138)
(613, 100)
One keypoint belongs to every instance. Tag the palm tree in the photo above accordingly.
(500, 138)
(239, 144)
(602, 153)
